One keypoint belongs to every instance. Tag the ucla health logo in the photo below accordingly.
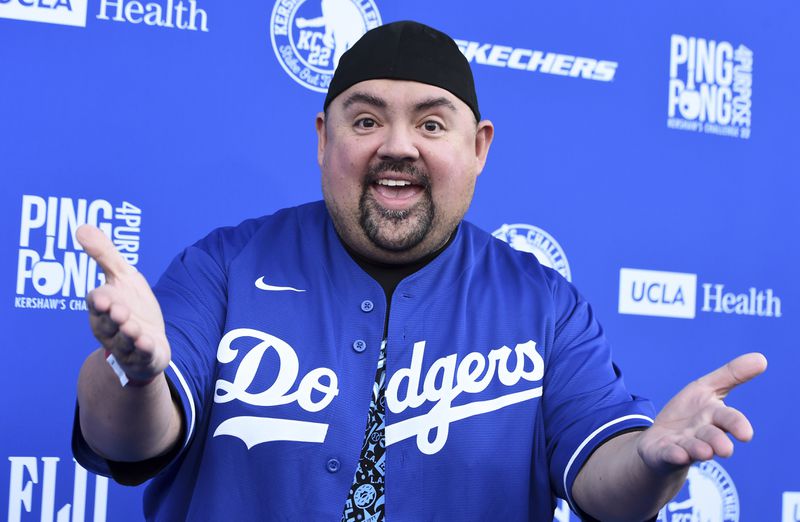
(708, 495)
(528, 238)
(674, 294)
(710, 86)
(53, 271)
(652, 292)
(309, 36)
(791, 506)
(62, 12)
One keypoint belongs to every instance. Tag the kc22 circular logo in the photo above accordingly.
(310, 36)
(709, 495)
(528, 238)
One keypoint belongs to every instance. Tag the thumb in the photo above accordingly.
(735, 372)
(101, 249)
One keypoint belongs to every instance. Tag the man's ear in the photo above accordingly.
(483, 140)
(322, 136)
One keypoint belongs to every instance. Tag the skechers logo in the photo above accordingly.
(651, 292)
(261, 285)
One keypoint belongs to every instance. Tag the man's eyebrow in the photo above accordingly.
(361, 97)
(434, 102)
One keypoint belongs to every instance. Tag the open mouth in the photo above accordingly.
(396, 193)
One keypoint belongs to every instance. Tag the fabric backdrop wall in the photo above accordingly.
(647, 151)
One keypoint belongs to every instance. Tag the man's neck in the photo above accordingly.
(389, 275)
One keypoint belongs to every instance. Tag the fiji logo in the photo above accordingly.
(528, 238)
(310, 37)
(709, 495)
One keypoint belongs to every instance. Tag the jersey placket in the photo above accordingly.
(365, 501)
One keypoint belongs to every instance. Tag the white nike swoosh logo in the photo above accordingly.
(261, 285)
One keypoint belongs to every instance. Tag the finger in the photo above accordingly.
(121, 345)
(119, 313)
(101, 249)
(734, 422)
(99, 300)
(716, 438)
(145, 343)
(736, 372)
(696, 449)
(132, 329)
(103, 327)
(675, 455)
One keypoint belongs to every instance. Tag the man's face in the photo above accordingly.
(399, 161)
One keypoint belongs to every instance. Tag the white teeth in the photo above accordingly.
(393, 183)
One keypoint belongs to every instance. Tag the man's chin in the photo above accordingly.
(396, 243)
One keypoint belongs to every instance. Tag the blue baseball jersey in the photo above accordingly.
(499, 380)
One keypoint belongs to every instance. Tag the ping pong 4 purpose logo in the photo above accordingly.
(53, 271)
(710, 86)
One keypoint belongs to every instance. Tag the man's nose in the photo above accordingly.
(398, 144)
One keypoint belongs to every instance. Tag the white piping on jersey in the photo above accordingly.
(189, 398)
(586, 441)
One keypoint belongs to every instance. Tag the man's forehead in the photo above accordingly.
(400, 94)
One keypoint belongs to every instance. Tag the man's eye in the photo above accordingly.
(432, 126)
(366, 123)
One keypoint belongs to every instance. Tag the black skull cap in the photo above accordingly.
(406, 51)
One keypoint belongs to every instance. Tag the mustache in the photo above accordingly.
(420, 176)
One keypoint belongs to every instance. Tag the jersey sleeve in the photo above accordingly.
(585, 399)
(192, 294)
(193, 298)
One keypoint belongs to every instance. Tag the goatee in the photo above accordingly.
(396, 230)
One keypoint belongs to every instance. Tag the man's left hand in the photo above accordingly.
(694, 423)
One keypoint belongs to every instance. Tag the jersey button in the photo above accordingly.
(366, 305)
(359, 345)
(332, 465)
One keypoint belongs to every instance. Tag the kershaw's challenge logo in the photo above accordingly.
(528, 238)
(710, 86)
(53, 271)
(309, 37)
(407, 388)
(708, 495)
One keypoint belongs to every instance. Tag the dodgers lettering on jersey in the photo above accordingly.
(499, 379)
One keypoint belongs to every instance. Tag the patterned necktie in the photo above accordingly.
(365, 501)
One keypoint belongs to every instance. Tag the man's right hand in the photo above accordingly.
(124, 314)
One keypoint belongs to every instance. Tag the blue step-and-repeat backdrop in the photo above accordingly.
(645, 150)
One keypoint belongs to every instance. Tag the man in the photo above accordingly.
(483, 379)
